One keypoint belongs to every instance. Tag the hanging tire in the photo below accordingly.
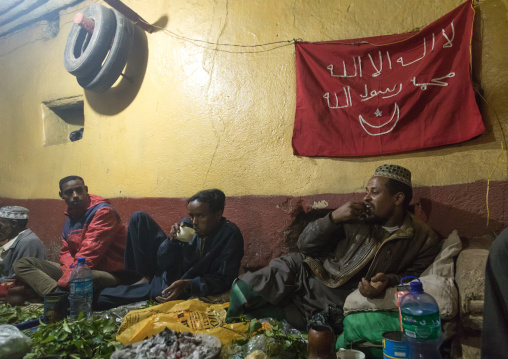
(106, 75)
(82, 62)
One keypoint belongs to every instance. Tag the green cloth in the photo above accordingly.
(243, 300)
(370, 352)
(367, 327)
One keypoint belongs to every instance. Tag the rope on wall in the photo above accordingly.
(206, 44)
(503, 144)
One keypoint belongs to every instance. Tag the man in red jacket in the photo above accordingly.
(93, 230)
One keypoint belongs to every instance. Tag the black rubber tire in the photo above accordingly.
(82, 63)
(105, 76)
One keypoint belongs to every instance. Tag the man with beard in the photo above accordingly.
(93, 230)
(202, 265)
(368, 245)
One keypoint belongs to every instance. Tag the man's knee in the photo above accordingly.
(292, 260)
(22, 264)
(138, 216)
(103, 279)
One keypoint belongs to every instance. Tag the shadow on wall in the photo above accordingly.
(119, 97)
(444, 218)
(463, 207)
(300, 220)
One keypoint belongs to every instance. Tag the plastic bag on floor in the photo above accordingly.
(120, 312)
(192, 316)
(13, 343)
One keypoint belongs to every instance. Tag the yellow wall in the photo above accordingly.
(196, 118)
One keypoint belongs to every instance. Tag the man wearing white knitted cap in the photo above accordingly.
(368, 244)
(16, 241)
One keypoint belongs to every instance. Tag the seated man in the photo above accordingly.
(93, 230)
(369, 245)
(495, 316)
(173, 269)
(16, 241)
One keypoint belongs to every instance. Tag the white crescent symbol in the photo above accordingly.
(395, 111)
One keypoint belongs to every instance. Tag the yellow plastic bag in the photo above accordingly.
(191, 315)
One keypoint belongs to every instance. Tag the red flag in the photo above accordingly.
(387, 94)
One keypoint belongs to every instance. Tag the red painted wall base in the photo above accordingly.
(265, 221)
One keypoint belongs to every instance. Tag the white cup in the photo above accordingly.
(350, 354)
(185, 234)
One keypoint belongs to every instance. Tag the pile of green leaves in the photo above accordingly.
(284, 343)
(82, 338)
(149, 303)
(273, 337)
(15, 315)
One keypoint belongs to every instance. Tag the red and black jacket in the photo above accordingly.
(98, 235)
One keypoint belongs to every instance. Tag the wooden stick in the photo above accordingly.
(85, 22)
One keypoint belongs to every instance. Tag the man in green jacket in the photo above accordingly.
(369, 245)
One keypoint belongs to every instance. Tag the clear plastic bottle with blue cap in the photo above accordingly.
(81, 290)
(421, 322)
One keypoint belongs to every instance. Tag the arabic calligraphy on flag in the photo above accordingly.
(387, 94)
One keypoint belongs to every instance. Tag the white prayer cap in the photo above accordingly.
(14, 212)
(395, 172)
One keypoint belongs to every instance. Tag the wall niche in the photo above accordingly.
(63, 120)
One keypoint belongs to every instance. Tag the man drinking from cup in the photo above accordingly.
(179, 266)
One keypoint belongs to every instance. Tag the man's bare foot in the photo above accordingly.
(17, 296)
(144, 280)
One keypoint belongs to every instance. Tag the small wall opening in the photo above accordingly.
(63, 120)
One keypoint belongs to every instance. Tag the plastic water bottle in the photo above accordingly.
(421, 323)
(81, 290)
